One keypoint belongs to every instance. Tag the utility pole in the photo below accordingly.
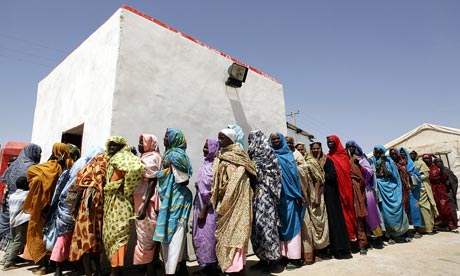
(292, 115)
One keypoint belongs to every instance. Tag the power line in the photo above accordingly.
(30, 54)
(29, 42)
(26, 61)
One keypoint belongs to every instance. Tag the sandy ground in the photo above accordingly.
(438, 254)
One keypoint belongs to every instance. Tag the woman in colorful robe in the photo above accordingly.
(267, 191)
(359, 200)
(176, 201)
(390, 193)
(291, 208)
(315, 228)
(404, 175)
(447, 216)
(147, 202)
(88, 213)
(231, 197)
(124, 172)
(42, 180)
(427, 203)
(60, 224)
(204, 215)
(415, 180)
(373, 216)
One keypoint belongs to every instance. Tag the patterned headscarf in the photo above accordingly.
(30, 155)
(267, 166)
(119, 140)
(175, 152)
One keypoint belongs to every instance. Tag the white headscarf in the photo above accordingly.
(230, 133)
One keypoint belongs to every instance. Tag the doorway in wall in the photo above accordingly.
(73, 136)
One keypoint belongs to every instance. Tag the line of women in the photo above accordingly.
(295, 207)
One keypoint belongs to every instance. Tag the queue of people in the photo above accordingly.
(295, 206)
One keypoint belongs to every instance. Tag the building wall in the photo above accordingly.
(79, 90)
(165, 79)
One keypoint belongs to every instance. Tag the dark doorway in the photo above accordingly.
(73, 136)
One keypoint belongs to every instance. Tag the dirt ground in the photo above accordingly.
(438, 254)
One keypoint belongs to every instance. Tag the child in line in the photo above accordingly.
(18, 223)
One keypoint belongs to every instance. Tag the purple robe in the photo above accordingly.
(204, 241)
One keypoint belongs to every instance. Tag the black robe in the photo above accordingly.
(338, 235)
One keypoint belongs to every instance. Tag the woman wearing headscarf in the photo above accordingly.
(239, 134)
(359, 200)
(404, 175)
(338, 235)
(42, 180)
(231, 197)
(390, 193)
(124, 172)
(88, 213)
(30, 155)
(74, 152)
(427, 203)
(447, 216)
(267, 191)
(339, 156)
(415, 181)
(291, 208)
(451, 182)
(373, 217)
(59, 222)
(147, 202)
(176, 201)
(204, 215)
(315, 228)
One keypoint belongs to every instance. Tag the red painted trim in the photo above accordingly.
(128, 8)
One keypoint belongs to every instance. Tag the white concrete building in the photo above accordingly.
(137, 75)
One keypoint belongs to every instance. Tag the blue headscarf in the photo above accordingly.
(359, 151)
(291, 213)
(29, 155)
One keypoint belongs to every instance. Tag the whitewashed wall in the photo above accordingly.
(80, 90)
(167, 80)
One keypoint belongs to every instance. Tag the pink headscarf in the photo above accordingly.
(151, 157)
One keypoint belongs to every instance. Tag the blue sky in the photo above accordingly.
(364, 70)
